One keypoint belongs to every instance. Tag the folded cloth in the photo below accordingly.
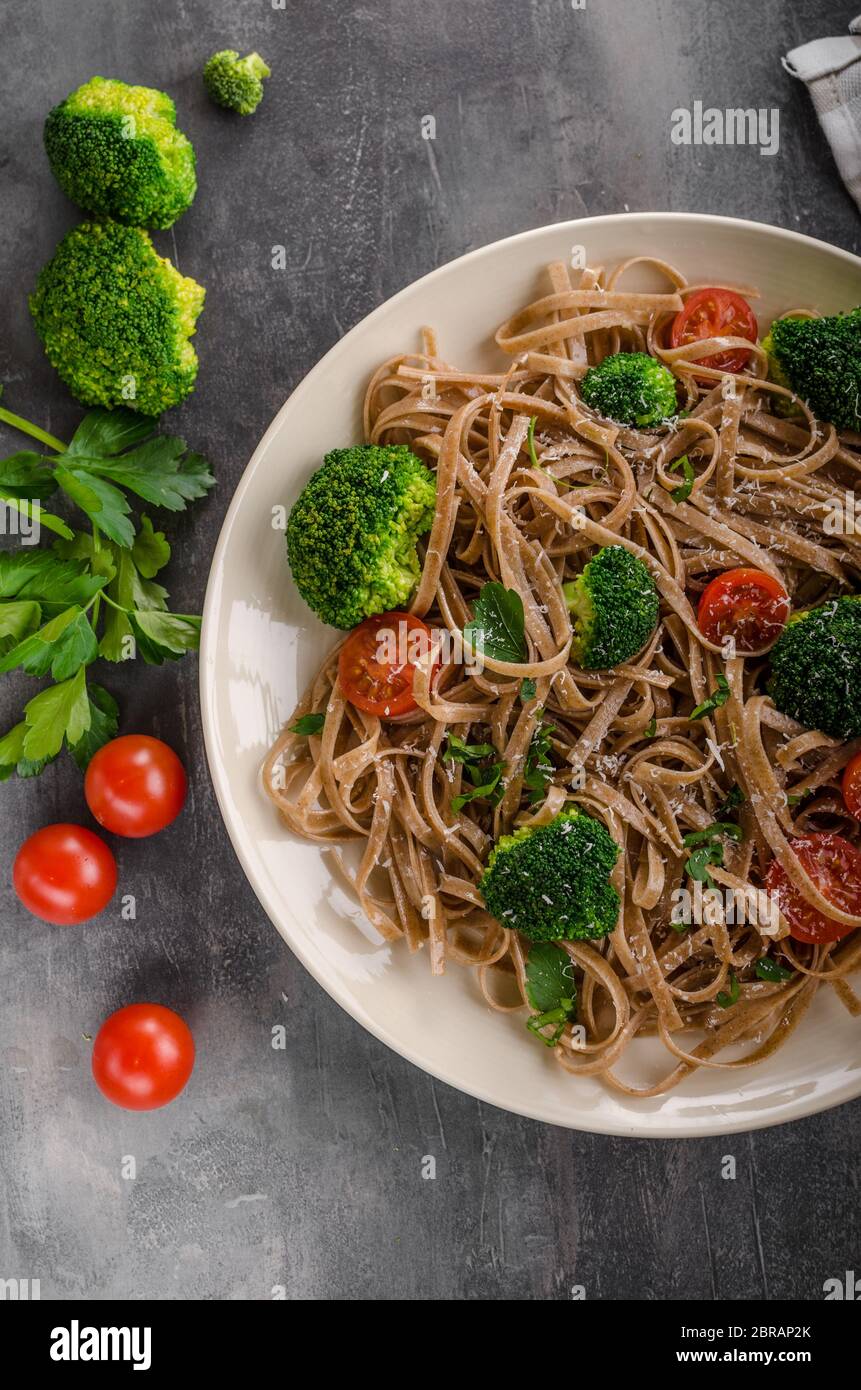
(831, 70)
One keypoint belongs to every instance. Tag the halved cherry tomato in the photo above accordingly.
(64, 874)
(834, 865)
(377, 664)
(716, 313)
(143, 1056)
(852, 786)
(746, 604)
(135, 785)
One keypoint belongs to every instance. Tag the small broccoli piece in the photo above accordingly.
(614, 606)
(115, 151)
(552, 882)
(631, 388)
(351, 536)
(820, 360)
(115, 319)
(235, 82)
(816, 668)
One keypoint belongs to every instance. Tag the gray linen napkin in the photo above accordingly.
(831, 71)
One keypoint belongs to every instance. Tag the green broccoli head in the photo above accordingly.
(115, 319)
(820, 360)
(235, 82)
(115, 151)
(552, 882)
(631, 388)
(816, 668)
(614, 607)
(351, 536)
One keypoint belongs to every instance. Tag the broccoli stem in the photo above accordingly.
(19, 423)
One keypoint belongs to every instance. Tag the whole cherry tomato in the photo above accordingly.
(135, 785)
(64, 874)
(143, 1056)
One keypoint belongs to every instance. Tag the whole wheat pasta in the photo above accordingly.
(762, 488)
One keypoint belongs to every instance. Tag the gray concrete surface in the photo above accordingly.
(301, 1168)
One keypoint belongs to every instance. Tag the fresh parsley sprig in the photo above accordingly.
(718, 697)
(683, 492)
(497, 628)
(91, 593)
(539, 769)
(768, 969)
(483, 770)
(726, 998)
(707, 849)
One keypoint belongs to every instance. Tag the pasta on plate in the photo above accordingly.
(713, 795)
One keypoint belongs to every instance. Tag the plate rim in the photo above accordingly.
(650, 1125)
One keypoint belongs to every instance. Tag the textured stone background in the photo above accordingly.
(302, 1168)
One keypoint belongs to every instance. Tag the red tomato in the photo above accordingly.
(143, 1056)
(135, 785)
(377, 664)
(852, 786)
(834, 865)
(745, 604)
(64, 874)
(715, 313)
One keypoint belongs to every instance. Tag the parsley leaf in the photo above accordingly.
(308, 724)
(103, 503)
(550, 990)
(714, 701)
(11, 750)
(707, 849)
(497, 629)
(17, 618)
(160, 471)
(41, 575)
(104, 724)
(772, 970)
(61, 711)
(164, 636)
(726, 1000)
(103, 433)
(61, 646)
(528, 688)
(651, 728)
(27, 475)
(682, 493)
(483, 769)
(735, 798)
(539, 769)
(150, 550)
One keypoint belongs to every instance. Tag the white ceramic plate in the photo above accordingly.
(261, 645)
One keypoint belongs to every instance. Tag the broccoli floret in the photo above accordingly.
(115, 319)
(235, 82)
(552, 882)
(351, 536)
(115, 150)
(816, 668)
(614, 607)
(631, 388)
(820, 360)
